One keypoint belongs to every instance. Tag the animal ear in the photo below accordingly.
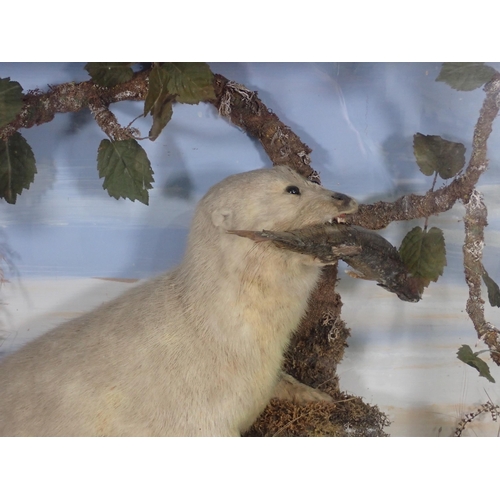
(222, 217)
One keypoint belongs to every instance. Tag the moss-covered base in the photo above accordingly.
(348, 416)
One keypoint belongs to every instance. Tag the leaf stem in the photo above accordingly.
(430, 191)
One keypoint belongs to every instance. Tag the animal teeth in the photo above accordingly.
(339, 220)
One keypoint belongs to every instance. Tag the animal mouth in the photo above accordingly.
(340, 219)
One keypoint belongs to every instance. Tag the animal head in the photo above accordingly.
(276, 199)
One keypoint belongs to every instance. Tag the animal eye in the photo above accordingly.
(292, 190)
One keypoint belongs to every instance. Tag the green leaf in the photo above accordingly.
(190, 82)
(110, 74)
(11, 100)
(465, 76)
(158, 90)
(126, 170)
(493, 290)
(162, 113)
(424, 253)
(158, 101)
(435, 154)
(17, 167)
(470, 358)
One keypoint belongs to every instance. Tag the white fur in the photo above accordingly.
(196, 351)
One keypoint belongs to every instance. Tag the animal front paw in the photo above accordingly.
(290, 389)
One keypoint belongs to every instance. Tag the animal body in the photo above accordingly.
(194, 352)
(370, 255)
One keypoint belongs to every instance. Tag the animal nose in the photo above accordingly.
(341, 197)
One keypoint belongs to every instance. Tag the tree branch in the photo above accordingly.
(475, 222)
(40, 107)
(408, 207)
(108, 123)
(246, 110)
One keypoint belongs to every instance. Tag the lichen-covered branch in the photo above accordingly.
(475, 221)
(379, 215)
(108, 123)
(409, 207)
(41, 107)
(246, 110)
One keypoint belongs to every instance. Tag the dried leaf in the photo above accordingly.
(424, 253)
(190, 82)
(110, 74)
(435, 154)
(470, 358)
(126, 170)
(17, 167)
(493, 290)
(11, 100)
(465, 76)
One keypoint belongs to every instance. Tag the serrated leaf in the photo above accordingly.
(493, 290)
(158, 90)
(11, 100)
(162, 113)
(470, 358)
(435, 154)
(465, 76)
(110, 74)
(424, 253)
(158, 101)
(17, 167)
(190, 82)
(126, 170)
